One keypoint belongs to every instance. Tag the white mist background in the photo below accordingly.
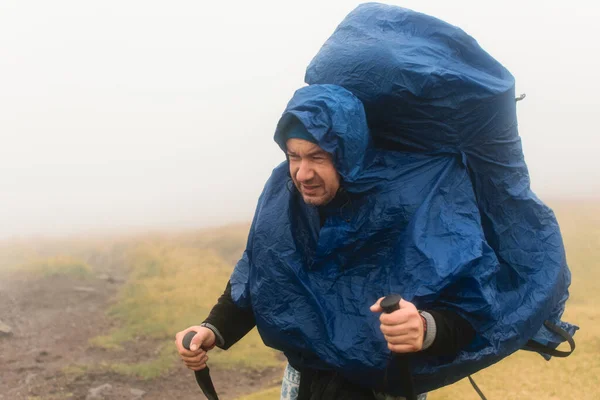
(125, 115)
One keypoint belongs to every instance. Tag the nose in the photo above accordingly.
(305, 172)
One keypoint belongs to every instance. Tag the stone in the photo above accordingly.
(96, 393)
(137, 393)
(108, 278)
(29, 378)
(5, 330)
(84, 289)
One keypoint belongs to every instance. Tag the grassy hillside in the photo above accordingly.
(172, 280)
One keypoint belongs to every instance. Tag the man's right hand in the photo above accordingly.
(204, 340)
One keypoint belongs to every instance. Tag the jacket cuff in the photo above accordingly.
(220, 342)
(431, 330)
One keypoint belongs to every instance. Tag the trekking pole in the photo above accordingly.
(390, 304)
(203, 375)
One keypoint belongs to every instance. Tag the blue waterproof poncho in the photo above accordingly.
(446, 219)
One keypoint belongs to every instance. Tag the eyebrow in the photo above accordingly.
(310, 153)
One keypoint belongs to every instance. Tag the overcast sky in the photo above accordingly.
(132, 114)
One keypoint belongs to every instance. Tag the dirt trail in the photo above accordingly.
(52, 319)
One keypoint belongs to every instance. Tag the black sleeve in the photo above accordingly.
(453, 333)
(232, 322)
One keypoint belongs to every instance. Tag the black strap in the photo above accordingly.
(205, 382)
(535, 346)
(202, 376)
(479, 392)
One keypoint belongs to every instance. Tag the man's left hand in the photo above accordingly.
(403, 329)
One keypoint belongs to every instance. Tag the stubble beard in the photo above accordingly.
(317, 201)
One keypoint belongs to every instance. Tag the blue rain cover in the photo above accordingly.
(446, 219)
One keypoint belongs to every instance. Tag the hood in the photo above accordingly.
(336, 120)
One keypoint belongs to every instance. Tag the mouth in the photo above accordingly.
(310, 190)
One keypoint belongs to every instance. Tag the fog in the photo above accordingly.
(129, 115)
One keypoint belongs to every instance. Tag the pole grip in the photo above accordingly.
(203, 376)
(391, 303)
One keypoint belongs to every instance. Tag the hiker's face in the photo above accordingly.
(312, 171)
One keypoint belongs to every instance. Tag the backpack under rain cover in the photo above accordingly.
(422, 126)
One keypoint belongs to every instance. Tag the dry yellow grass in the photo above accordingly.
(273, 393)
(173, 282)
(175, 278)
(56, 265)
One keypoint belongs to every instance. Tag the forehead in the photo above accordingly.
(300, 146)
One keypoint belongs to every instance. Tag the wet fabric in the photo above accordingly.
(421, 124)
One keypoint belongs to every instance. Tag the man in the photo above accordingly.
(447, 220)
(316, 179)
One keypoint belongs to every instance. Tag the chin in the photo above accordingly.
(316, 201)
